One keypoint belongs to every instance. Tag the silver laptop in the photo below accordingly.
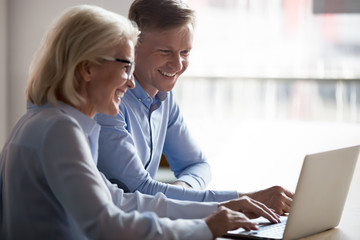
(319, 198)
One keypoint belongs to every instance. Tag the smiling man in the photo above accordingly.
(150, 123)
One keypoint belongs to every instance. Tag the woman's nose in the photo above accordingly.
(131, 83)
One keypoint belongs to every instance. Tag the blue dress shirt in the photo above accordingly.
(132, 142)
(50, 187)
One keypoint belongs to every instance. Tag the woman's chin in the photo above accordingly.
(112, 111)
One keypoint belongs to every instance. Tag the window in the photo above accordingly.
(274, 39)
(272, 60)
(268, 82)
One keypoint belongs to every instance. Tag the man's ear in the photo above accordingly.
(85, 70)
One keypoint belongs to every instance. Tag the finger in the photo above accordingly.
(250, 215)
(269, 211)
(248, 226)
(286, 209)
(286, 204)
(282, 204)
(289, 194)
(262, 210)
(225, 219)
(239, 220)
(287, 199)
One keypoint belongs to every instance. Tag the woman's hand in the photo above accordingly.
(252, 208)
(225, 219)
(235, 213)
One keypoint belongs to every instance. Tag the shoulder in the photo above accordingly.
(52, 116)
(170, 100)
(35, 126)
(44, 119)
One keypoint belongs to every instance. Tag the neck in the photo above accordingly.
(151, 91)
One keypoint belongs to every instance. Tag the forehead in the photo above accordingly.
(124, 49)
(181, 35)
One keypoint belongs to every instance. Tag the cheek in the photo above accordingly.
(185, 64)
(158, 60)
(102, 87)
(112, 79)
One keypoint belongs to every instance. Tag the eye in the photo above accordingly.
(185, 53)
(165, 51)
(127, 69)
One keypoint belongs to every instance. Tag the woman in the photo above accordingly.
(50, 186)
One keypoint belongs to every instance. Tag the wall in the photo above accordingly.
(22, 25)
(3, 72)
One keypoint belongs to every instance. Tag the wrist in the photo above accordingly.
(242, 194)
(182, 184)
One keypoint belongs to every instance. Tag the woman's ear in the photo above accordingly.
(84, 69)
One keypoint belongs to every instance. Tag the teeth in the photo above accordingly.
(167, 74)
(119, 94)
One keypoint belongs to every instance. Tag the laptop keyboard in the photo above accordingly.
(269, 230)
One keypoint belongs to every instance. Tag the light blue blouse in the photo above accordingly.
(131, 144)
(50, 187)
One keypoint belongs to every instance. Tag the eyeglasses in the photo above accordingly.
(129, 69)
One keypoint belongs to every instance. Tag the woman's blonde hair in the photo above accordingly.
(82, 33)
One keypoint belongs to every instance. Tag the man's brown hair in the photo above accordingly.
(160, 14)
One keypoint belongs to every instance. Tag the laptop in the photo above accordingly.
(319, 198)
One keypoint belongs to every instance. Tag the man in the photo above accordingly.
(150, 123)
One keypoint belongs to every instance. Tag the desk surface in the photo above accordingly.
(273, 154)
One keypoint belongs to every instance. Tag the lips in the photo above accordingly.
(119, 94)
(167, 74)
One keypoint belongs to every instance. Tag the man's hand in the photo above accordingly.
(276, 198)
(181, 184)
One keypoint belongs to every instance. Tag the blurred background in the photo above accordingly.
(269, 81)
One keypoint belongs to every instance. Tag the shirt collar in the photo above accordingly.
(143, 97)
(88, 124)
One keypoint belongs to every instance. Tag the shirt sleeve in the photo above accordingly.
(77, 184)
(160, 204)
(119, 161)
(184, 156)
